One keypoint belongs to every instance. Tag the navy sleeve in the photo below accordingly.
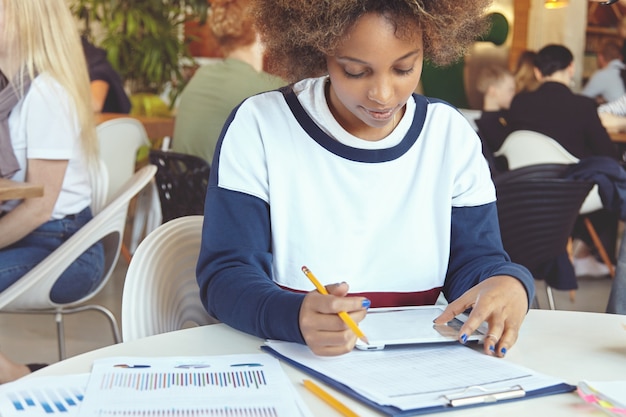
(234, 268)
(476, 252)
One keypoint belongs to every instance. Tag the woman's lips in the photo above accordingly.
(380, 114)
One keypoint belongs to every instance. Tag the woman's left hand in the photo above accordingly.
(502, 302)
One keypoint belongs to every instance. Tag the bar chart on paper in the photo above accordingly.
(154, 381)
(229, 386)
(44, 396)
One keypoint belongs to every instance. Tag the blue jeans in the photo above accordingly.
(82, 277)
(617, 297)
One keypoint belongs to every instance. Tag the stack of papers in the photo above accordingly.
(228, 385)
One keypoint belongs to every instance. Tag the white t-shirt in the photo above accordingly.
(44, 125)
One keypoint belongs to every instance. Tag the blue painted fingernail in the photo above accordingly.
(464, 338)
(503, 351)
(492, 348)
(366, 303)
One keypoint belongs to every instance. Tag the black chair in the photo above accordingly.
(537, 210)
(182, 182)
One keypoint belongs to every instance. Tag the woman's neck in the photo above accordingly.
(251, 54)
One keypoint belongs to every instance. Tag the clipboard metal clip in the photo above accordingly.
(479, 395)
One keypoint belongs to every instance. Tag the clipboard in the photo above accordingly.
(469, 397)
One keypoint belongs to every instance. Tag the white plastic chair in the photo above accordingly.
(160, 291)
(31, 293)
(525, 147)
(120, 139)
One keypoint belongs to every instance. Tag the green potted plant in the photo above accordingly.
(145, 43)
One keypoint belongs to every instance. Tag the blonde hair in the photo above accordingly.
(41, 36)
(232, 24)
(489, 76)
(525, 79)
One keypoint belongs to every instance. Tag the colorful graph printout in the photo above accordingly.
(228, 385)
(43, 396)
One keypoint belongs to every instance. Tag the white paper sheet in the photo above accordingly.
(417, 377)
(225, 385)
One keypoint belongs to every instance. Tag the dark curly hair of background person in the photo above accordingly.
(299, 33)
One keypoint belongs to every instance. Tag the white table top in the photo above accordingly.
(574, 346)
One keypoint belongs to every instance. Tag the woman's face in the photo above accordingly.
(372, 75)
(504, 90)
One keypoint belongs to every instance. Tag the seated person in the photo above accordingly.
(215, 89)
(48, 138)
(572, 120)
(347, 170)
(606, 83)
(554, 110)
(107, 87)
(497, 86)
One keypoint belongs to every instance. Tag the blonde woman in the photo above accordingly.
(47, 137)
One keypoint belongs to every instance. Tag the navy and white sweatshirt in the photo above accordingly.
(398, 219)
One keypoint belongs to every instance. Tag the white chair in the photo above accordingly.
(525, 147)
(120, 140)
(160, 291)
(31, 293)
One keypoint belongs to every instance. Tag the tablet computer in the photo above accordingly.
(411, 325)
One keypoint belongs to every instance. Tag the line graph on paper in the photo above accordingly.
(251, 379)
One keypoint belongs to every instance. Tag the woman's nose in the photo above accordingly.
(381, 91)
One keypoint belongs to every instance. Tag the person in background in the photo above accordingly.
(215, 89)
(606, 83)
(554, 110)
(107, 87)
(347, 171)
(47, 136)
(572, 120)
(497, 86)
(613, 115)
(525, 79)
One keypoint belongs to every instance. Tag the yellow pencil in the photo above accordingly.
(329, 399)
(344, 316)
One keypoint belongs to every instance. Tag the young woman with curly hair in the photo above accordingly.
(351, 173)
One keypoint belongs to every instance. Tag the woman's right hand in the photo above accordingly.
(322, 328)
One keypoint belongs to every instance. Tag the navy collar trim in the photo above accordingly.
(355, 154)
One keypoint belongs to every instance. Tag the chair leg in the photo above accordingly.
(550, 297)
(60, 335)
(105, 311)
(598, 244)
(125, 252)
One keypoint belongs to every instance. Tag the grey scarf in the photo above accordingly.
(8, 99)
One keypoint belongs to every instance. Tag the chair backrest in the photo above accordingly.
(537, 211)
(119, 140)
(160, 291)
(182, 182)
(32, 291)
(525, 147)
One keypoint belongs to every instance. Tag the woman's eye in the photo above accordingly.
(405, 71)
(350, 74)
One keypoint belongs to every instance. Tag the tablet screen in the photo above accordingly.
(409, 325)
